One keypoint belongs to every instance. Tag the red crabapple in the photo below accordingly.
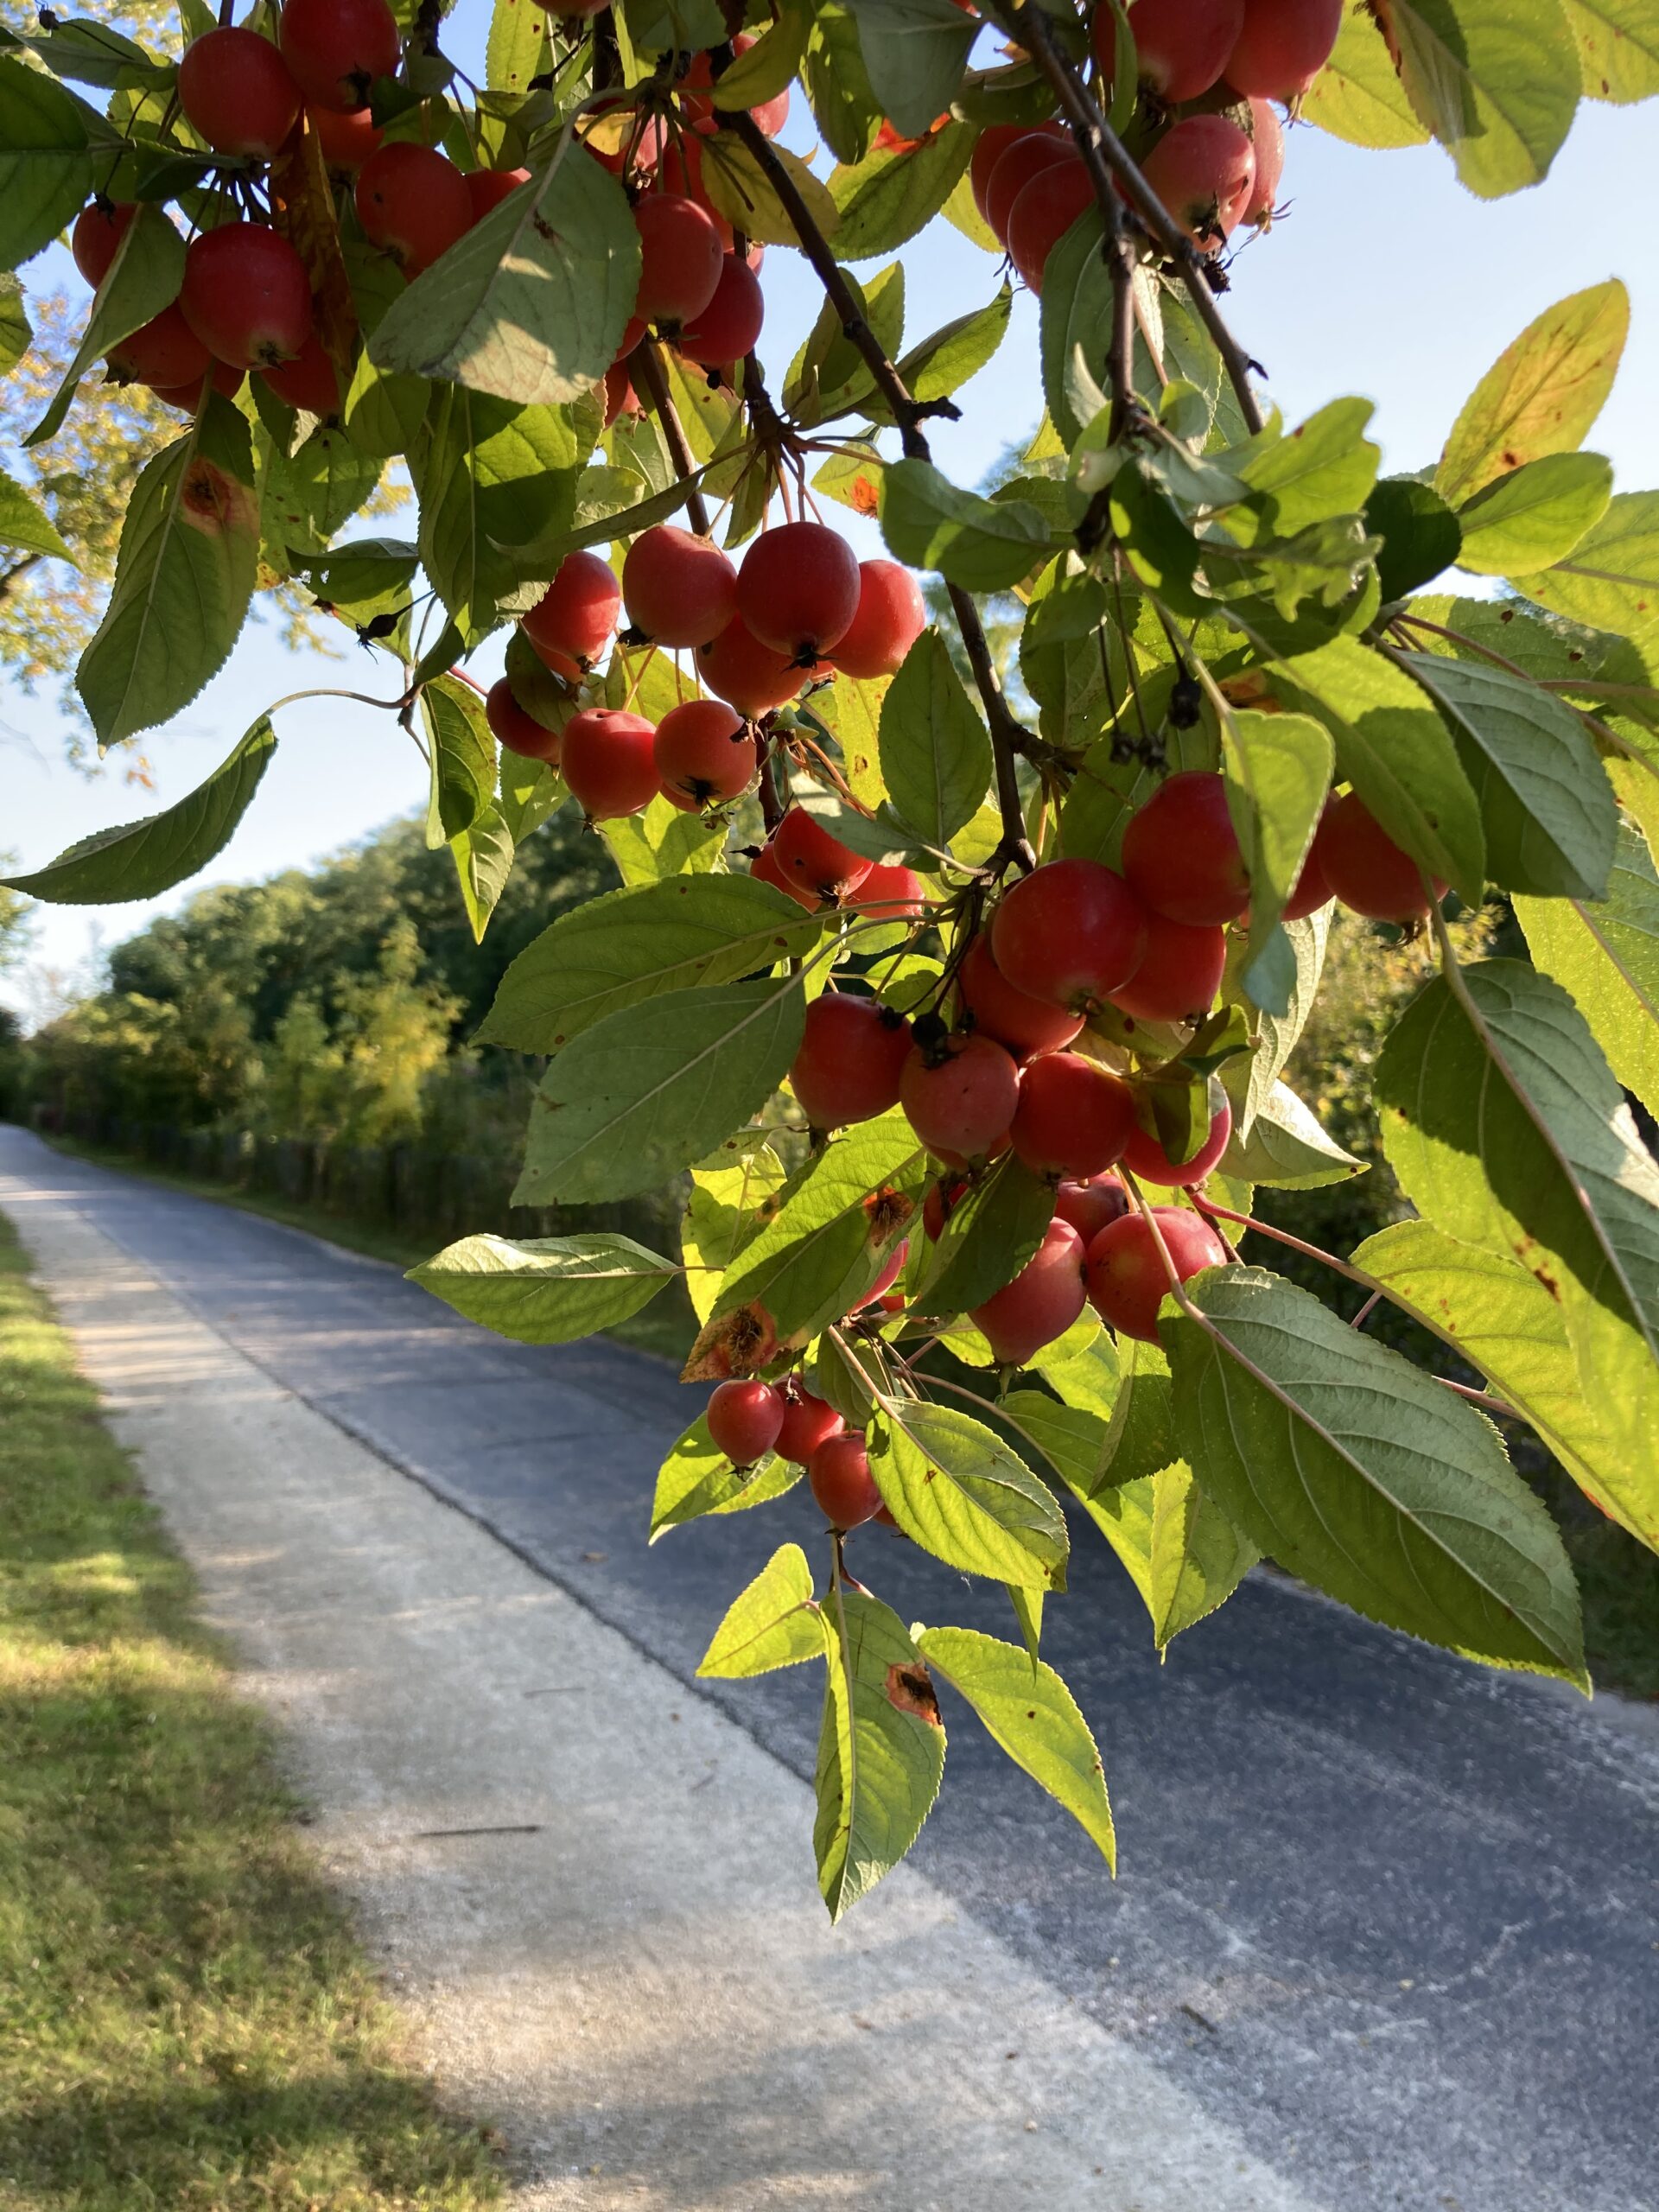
(346, 140)
(807, 1421)
(729, 326)
(1127, 1278)
(336, 48)
(1070, 933)
(1282, 46)
(1310, 891)
(1092, 1206)
(1031, 153)
(681, 256)
(246, 295)
(891, 615)
(1366, 870)
(517, 729)
(959, 1100)
(1145, 1156)
(1181, 854)
(1042, 1301)
(556, 662)
(797, 589)
(414, 201)
(1269, 143)
(1074, 1116)
(1024, 1024)
(751, 677)
(165, 353)
(744, 1419)
(942, 1200)
(990, 146)
(892, 1268)
(577, 615)
(679, 589)
(308, 381)
(605, 759)
(487, 188)
(98, 230)
(620, 398)
(1181, 46)
(1179, 972)
(188, 395)
(704, 752)
(1043, 214)
(852, 1054)
(819, 867)
(237, 93)
(770, 117)
(888, 893)
(839, 1475)
(1203, 169)
(680, 172)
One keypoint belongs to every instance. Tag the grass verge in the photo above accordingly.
(186, 2021)
(665, 1328)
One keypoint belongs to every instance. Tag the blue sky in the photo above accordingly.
(1385, 279)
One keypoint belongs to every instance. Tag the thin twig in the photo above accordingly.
(646, 371)
(1028, 26)
(1007, 738)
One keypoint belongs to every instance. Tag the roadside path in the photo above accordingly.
(1388, 1928)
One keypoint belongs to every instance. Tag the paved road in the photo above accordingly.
(1393, 1919)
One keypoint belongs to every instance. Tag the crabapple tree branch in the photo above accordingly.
(646, 369)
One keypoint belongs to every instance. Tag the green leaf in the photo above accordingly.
(1534, 516)
(774, 1623)
(1606, 954)
(1422, 537)
(1398, 755)
(483, 857)
(915, 52)
(954, 355)
(1287, 1147)
(518, 46)
(1357, 96)
(183, 578)
(1495, 80)
(885, 198)
(988, 1239)
(46, 165)
(955, 1489)
(1028, 1710)
(531, 303)
(1198, 1557)
(383, 412)
(370, 575)
(462, 752)
(1327, 467)
(15, 335)
(1278, 769)
(25, 528)
(636, 944)
(738, 186)
(1542, 394)
(1508, 1131)
(1250, 1082)
(1365, 1477)
(733, 1192)
(936, 755)
(822, 1248)
(144, 278)
(836, 87)
(549, 1290)
(495, 479)
(1070, 1439)
(697, 1478)
(330, 479)
(880, 1748)
(653, 1087)
(1083, 1366)
(144, 859)
(1548, 809)
(985, 545)
(1618, 48)
(663, 843)
(769, 65)
(1506, 1322)
(1610, 579)
(1075, 327)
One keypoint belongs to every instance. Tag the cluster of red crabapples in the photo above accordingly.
(1214, 67)
(801, 605)
(245, 303)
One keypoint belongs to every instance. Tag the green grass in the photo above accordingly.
(186, 2021)
(665, 1328)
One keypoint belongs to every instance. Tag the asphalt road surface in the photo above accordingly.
(1394, 1919)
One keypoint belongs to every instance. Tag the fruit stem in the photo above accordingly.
(645, 370)
(1007, 737)
(1027, 25)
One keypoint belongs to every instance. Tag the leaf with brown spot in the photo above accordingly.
(880, 1755)
(1542, 394)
